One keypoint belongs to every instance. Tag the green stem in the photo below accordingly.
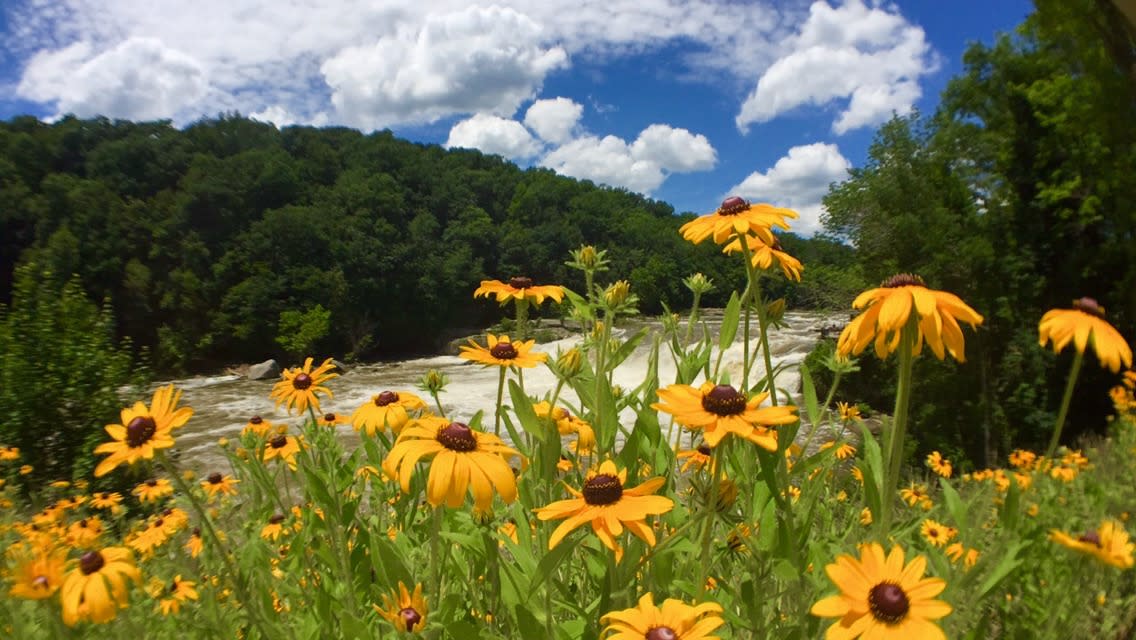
(716, 463)
(438, 403)
(435, 553)
(500, 397)
(522, 318)
(899, 425)
(1065, 401)
(763, 326)
(693, 318)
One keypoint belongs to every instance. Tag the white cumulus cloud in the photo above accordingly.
(674, 149)
(798, 180)
(139, 79)
(494, 134)
(869, 56)
(554, 120)
(475, 60)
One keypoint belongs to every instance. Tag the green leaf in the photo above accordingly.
(873, 473)
(627, 348)
(808, 390)
(389, 561)
(580, 304)
(1008, 562)
(729, 327)
(954, 505)
(551, 561)
(522, 406)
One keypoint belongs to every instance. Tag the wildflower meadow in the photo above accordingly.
(711, 505)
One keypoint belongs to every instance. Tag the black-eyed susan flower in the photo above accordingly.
(96, 588)
(737, 217)
(848, 413)
(865, 516)
(406, 611)
(697, 457)
(936, 533)
(764, 256)
(143, 430)
(501, 352)
(957, 552)
(1109, 544)
(107, 500)
(882, 598)
(217, 484)
(300, 385)
(461, 459)
(939, 465)
(38, 574)
(178, 592)
(153, 536)
(609, 506)
(519, 288)
(387, 410)
(330, 419)
(282, 447)
(26, 469)
(84, 532)
(9, 454)
(719, 410)
(1085, 325)
(258, 426)
(275, 527)
(674, 620)
(889, 307)
(843, 449)
(195, 544)
(914, 493)
(153, 490)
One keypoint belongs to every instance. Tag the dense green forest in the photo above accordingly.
(199, 239)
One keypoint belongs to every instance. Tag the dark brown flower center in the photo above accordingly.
(276, 518)
(256, 420)
(302, 381)
(90, 562)
(139, 431)
(151, 483)
(457, 437)
(410, 617)
(662, 633)
(173, 586)
(214, 478)
(1091, 537)
(520, 282)
(724, 400)
(40, 582)
(329, 417)
(83, 523)
(1089, 306)
(903, 280)
(732, 206)
(704, 449)
(385, 398)
(279, 442)
(602, 489)
(158, 523)
(503, 351)
(888, 603)
(197, 531)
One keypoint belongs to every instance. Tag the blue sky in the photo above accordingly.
(683, 100)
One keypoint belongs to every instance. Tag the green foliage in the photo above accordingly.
(60, 374)
(299, 332)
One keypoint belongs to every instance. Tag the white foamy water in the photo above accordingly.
(223, 404)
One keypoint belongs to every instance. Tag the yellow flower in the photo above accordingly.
(719, 410)
(195, 544)
(257, 425)
(1022, 459)
(698, 457)
(737, 217)
(913, 494)
(1084, 324)
(763, 255)
(215, 483)
(939, 464)
(1109, 544)
(143, 430)
(26, 469)
(8, 454)
(96, 588)
(936, 314)
(387, 410)
(848, 412)
(180, 591)
(405, 611)
(282, 447)
(675, 620)
(936, 533)
(40, 575)
(275, 527)
(330, 420)
(107, 500)
(300, 385)
(153, 490)
(85, 532)
(461, 459)
(882, 598)
(519, 288)
(956, 552)
(503, 353)
(608, 506)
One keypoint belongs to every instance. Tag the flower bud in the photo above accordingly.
(698, 283)
(433, 381)
(617, 293)
(569, 363)
(775, 311)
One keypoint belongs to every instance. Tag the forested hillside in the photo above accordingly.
(201, 238)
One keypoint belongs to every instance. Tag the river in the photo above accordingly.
(223, 404)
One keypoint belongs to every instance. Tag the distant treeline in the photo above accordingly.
(199, 239)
